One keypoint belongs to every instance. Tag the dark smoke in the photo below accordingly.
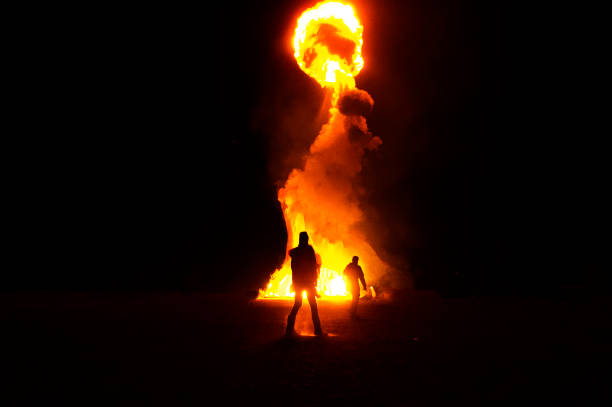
(355, 102)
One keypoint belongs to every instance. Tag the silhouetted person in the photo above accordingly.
(352, 275)
(304, 277)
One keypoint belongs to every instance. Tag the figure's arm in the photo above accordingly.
(314, 262)
(362, 278)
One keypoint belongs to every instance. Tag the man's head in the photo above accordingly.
(303, 239)
(355, 259)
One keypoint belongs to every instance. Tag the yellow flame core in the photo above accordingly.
(327, 45)
(330, 284)
(334, 258)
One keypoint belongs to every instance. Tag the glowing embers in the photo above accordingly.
(327, 44)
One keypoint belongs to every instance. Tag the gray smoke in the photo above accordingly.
(355, 102)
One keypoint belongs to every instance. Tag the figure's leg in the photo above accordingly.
(312, 300)
(296, 307)
(354, 302)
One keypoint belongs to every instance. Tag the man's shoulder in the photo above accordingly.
(303, 249)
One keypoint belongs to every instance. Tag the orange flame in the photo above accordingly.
(327, 44)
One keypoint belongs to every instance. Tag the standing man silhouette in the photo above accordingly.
(304, 278)
(352, 275)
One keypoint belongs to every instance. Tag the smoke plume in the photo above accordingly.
(323, 197)
(355, 102)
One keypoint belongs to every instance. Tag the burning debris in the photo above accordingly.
(322, 198)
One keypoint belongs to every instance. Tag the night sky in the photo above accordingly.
(168, 130)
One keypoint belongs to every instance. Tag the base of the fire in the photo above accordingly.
(330, 286)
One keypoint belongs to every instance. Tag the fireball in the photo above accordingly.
(327, 44)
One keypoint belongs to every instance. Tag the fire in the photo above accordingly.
(320, 199)
(327, 43)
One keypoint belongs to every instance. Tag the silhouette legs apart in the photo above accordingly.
(312, 300)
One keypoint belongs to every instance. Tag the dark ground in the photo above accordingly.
(191, 348)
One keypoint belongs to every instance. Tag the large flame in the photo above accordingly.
(327, 44)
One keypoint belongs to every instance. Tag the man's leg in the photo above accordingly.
(296, 307)
(312, 300)
(354, 302)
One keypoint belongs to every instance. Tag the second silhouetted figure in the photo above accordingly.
(353, 273)
(304, 278)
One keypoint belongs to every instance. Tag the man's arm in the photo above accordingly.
(362, 278)
(344, 272)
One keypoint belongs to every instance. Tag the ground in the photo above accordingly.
(411, 348)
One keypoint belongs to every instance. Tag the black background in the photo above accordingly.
(161, 133)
